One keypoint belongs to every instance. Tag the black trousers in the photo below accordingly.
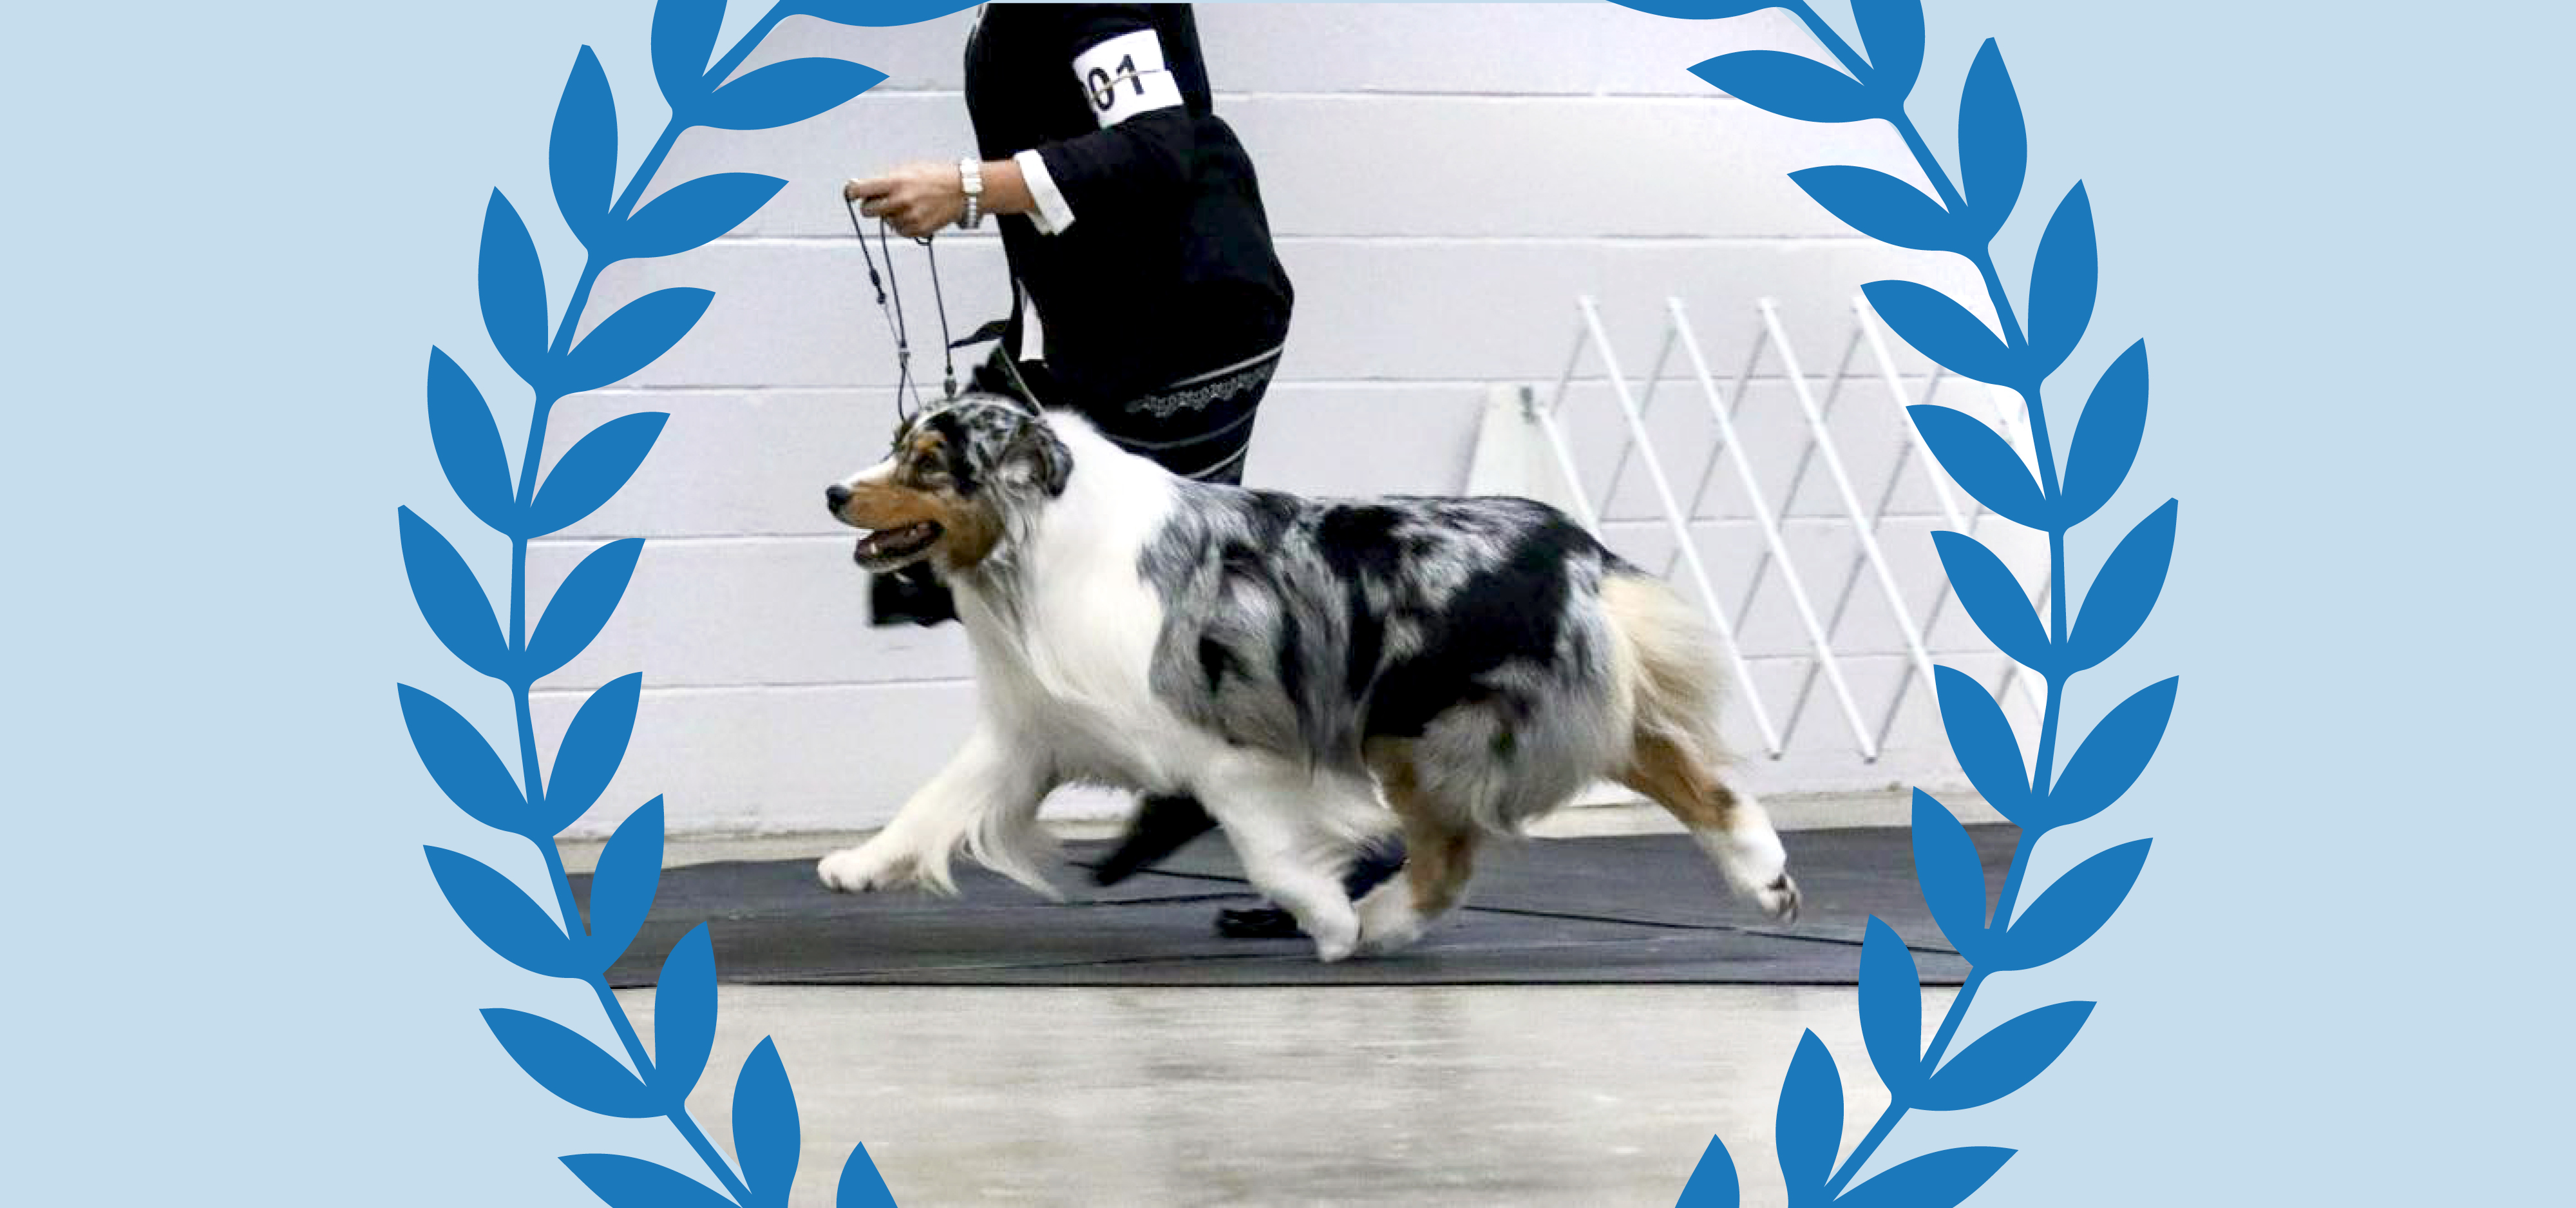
(1199, 427)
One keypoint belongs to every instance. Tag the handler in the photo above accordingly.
(1145, 292)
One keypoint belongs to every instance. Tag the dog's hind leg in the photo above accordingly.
(1276, 830)
(985, 802)
(1440, 855)
(1734, 831)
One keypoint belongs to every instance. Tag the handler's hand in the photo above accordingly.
(915, 199)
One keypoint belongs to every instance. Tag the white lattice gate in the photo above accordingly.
(1800, 526)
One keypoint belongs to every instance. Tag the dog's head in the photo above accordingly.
(957, 475)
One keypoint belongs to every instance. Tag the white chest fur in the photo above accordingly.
(1064, 649)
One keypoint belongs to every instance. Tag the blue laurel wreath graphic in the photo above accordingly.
(1964, 219)
(1993, 154)
(582, 163)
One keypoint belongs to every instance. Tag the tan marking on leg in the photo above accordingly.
(1439, 854)
(1673, 778)
(1750, 857)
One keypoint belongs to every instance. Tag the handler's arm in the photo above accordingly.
(919, 198)
(1140, 153)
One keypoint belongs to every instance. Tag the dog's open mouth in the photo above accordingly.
(894, 544)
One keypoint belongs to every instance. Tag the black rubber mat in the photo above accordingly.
(1640, 908)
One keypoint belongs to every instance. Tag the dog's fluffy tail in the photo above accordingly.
(1666, 656)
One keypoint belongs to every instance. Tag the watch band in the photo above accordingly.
(970, 177)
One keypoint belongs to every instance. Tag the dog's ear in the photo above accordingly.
(1034, 457)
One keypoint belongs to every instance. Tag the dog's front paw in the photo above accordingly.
(869, 866)
(1336, 933)
(1779, 899)
(1337, 948)
(1388, 920)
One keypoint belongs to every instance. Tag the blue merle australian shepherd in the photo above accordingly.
(1311, 671)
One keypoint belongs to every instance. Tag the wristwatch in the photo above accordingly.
(970, 176)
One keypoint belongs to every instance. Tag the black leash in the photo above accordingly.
(904, 385)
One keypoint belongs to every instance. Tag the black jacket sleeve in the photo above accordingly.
(1168, 269)
(1144, 160)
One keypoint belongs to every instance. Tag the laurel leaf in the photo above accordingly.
(1983, 743)
(1892, 32)
(1880, 206)
(622, 886)
(1891, 1007)
(581, 152)
(1982, 463)
(638, 334)
(1939, 328)
(1792, 86)
(1935, 1180)
(511, 283)
(694, 213)
(1994, 600)
(2113, 755)
(1994, 147)
(2124, 591)
(2074, 907)
(1953, 879)
(567, 1063)
(2005, 1059)
(451, 599)
(468, 442)
(2063, 278)
(862, 1187)
(1809, 1123)
(765, 1130)
(2107, 437)
(597, 465)
(581, 606)
(623, 1182)
(502, 915)
(684, 37)
(684, 1016)
(783, 94)
(465, 766)
(592, 748)
(1713, 1183)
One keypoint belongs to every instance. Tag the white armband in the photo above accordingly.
(1125, 76)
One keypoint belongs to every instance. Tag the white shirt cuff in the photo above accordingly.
(1052, 215)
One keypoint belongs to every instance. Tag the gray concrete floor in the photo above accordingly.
(1375, 1095)
(1413, 1095)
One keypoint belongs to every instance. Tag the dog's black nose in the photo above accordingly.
(834, 496)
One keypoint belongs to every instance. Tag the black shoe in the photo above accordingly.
(1375, 866)
(911, 593)
(1258, 923)
(1161, 826)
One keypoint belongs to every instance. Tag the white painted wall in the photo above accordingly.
(1444, 181)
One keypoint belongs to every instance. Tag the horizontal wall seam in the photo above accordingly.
(1318, 383)
(1803, 522)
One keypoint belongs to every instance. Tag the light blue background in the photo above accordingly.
(2341, 228)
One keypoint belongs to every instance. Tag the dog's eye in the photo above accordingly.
(927, 467)
(927, 455)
